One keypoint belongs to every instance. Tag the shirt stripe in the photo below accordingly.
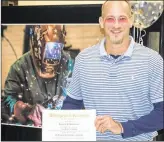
(124, 88)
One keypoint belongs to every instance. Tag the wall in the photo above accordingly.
(54, 2)
(15, 35)
(83, 36)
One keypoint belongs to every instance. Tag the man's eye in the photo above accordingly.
(110, 20)
(123, 19)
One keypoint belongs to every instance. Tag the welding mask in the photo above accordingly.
(47, 42)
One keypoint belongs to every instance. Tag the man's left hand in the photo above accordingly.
(104, 123)
(36, 115)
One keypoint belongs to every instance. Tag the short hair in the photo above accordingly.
(102, 8)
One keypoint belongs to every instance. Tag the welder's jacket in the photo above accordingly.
(24, 84)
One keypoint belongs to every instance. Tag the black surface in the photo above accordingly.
(57, 14)
(51, 14)
(18, 133)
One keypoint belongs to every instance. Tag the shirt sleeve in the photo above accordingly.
(156, 78)
(13, 81)
(74, 89)
(154, 120)
(11, 91)
(148, 123)
(70, 103)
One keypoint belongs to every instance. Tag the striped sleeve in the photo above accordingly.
(74, 90)
(156, 78)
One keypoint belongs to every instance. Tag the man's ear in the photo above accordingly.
(101, 22)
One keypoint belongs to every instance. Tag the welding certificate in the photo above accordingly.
(68, 125)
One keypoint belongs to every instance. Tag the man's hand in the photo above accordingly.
(104, 123)
(36, 115)
(19, 109)
(23, 112)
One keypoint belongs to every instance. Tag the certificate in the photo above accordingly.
(68, 125)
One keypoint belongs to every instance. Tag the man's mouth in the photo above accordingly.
(116, 32)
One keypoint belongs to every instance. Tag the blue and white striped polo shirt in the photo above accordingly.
(123, 88)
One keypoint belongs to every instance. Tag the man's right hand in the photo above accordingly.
(19, 109)
(24, 111)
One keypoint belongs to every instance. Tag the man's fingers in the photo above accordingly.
(101, 124)
(38, 113)
(104, 123)
(103, 120)
(104, 127)
(97, 120)
(98, 124)
(41, 108)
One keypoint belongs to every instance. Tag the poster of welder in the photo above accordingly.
(37, 65)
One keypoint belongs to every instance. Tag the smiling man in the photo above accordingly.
(116, 20)
(121, 79)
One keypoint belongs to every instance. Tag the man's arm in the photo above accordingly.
(13, 92)
(13, 102)
(12, 89)
(154, 120)
(70, 103)
(148, 123)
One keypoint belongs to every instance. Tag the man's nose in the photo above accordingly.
(117, 24)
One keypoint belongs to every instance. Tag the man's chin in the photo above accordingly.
(116, 41)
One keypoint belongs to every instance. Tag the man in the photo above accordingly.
(37, 80)
(119, 78)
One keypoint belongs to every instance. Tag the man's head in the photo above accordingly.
(47, 42)
(116, 20)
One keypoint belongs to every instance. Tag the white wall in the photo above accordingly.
(54, 2)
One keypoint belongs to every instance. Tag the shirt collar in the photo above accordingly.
(128, 53)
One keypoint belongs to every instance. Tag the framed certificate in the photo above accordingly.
(69, 125)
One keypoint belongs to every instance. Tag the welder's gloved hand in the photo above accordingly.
(21, 110)
(36, 114)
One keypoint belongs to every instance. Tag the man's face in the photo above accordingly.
(116, 21)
